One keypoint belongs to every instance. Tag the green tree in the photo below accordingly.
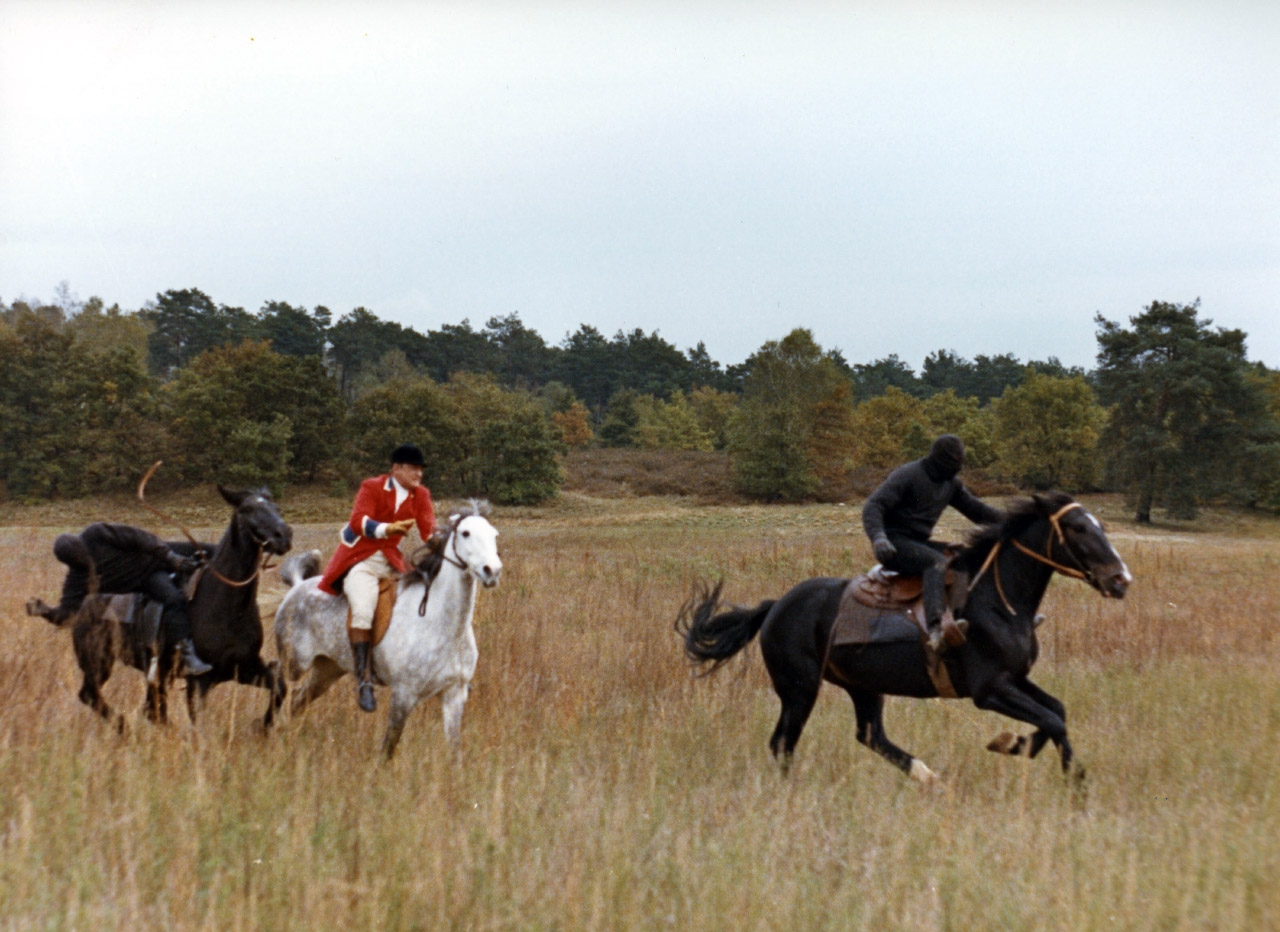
(292, 331)
(99, 327)
(73, 420)
(408, 409)
(186, 323)
(670, 425)
(523, 358)
(247, 414)
(714, 411)
(948, 413)
(509, 448)
(1184, 416)
(875, 378)
(772, 435)
(881, 428)
(477, 437)
(621, 421)
(359, 339)
(1047, 431)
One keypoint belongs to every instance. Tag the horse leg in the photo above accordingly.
(322, 674)
(452, 702)
(156, 705)
(402, 703)
(95, 653)
(869, 708)
(1007, 743)
(1008, 698)
(797, 703)
(197, 688)
(254, 672)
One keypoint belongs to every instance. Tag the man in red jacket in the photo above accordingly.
(386, 508)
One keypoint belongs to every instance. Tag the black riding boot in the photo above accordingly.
(179, 629)
(192, 665)
(364, 673)
(934, 596)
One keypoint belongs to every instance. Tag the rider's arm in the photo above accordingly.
(974, 508)
(879, 503)
(363, 523)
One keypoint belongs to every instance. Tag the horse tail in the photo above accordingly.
(298, 567)
(714, 638)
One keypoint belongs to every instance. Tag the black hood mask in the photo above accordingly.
(945, 458)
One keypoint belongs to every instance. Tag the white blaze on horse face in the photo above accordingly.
(1124, 569)
(475, 542)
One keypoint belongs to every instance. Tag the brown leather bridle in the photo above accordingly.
(1075, 572)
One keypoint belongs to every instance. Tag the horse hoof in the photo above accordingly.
(921, 773)
(1007, 743)
(366, 699)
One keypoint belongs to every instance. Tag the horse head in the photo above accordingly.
(474, 542)
(258, 516)
(1078, 541)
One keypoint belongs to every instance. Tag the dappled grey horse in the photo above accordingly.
(429, 648)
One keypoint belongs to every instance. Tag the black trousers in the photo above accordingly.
(926, 560)
(159, 586)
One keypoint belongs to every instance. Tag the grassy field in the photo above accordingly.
(601, 786)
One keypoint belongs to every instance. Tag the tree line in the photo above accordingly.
(1174, 414)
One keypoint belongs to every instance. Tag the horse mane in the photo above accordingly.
(1019, 515)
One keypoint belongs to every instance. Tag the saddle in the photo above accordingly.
(882, 606)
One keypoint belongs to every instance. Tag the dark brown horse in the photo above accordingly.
(1010, 564)
(223, 608)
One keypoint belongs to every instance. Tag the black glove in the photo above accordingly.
(180, 564)
(885, 551)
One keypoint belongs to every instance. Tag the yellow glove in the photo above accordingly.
(400, 527)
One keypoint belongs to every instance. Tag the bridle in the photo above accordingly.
(1075, 572)
(451, 544)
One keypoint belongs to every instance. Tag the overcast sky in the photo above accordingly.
(982, 177)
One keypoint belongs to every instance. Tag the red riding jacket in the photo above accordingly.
(365, 534)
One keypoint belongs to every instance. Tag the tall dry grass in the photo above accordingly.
(600, 786)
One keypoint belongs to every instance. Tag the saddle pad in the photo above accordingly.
(387, 589)
(860, 624)
(137, 610)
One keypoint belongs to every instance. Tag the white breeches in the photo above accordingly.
(361, 588)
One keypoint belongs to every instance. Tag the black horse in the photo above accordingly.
(1009, 564)
(223, 608)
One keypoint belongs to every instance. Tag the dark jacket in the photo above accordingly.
(121, 556)
(909, 503)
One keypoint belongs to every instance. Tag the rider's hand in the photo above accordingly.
(885, 551)
(400, 527)
(181, 564)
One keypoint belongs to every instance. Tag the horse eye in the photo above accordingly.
(466, 533)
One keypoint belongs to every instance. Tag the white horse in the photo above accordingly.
(421, 655)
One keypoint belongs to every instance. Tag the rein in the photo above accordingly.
(444, 558)
(263, 561)
(1045, 558)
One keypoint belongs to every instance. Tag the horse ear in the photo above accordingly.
(232, 496)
